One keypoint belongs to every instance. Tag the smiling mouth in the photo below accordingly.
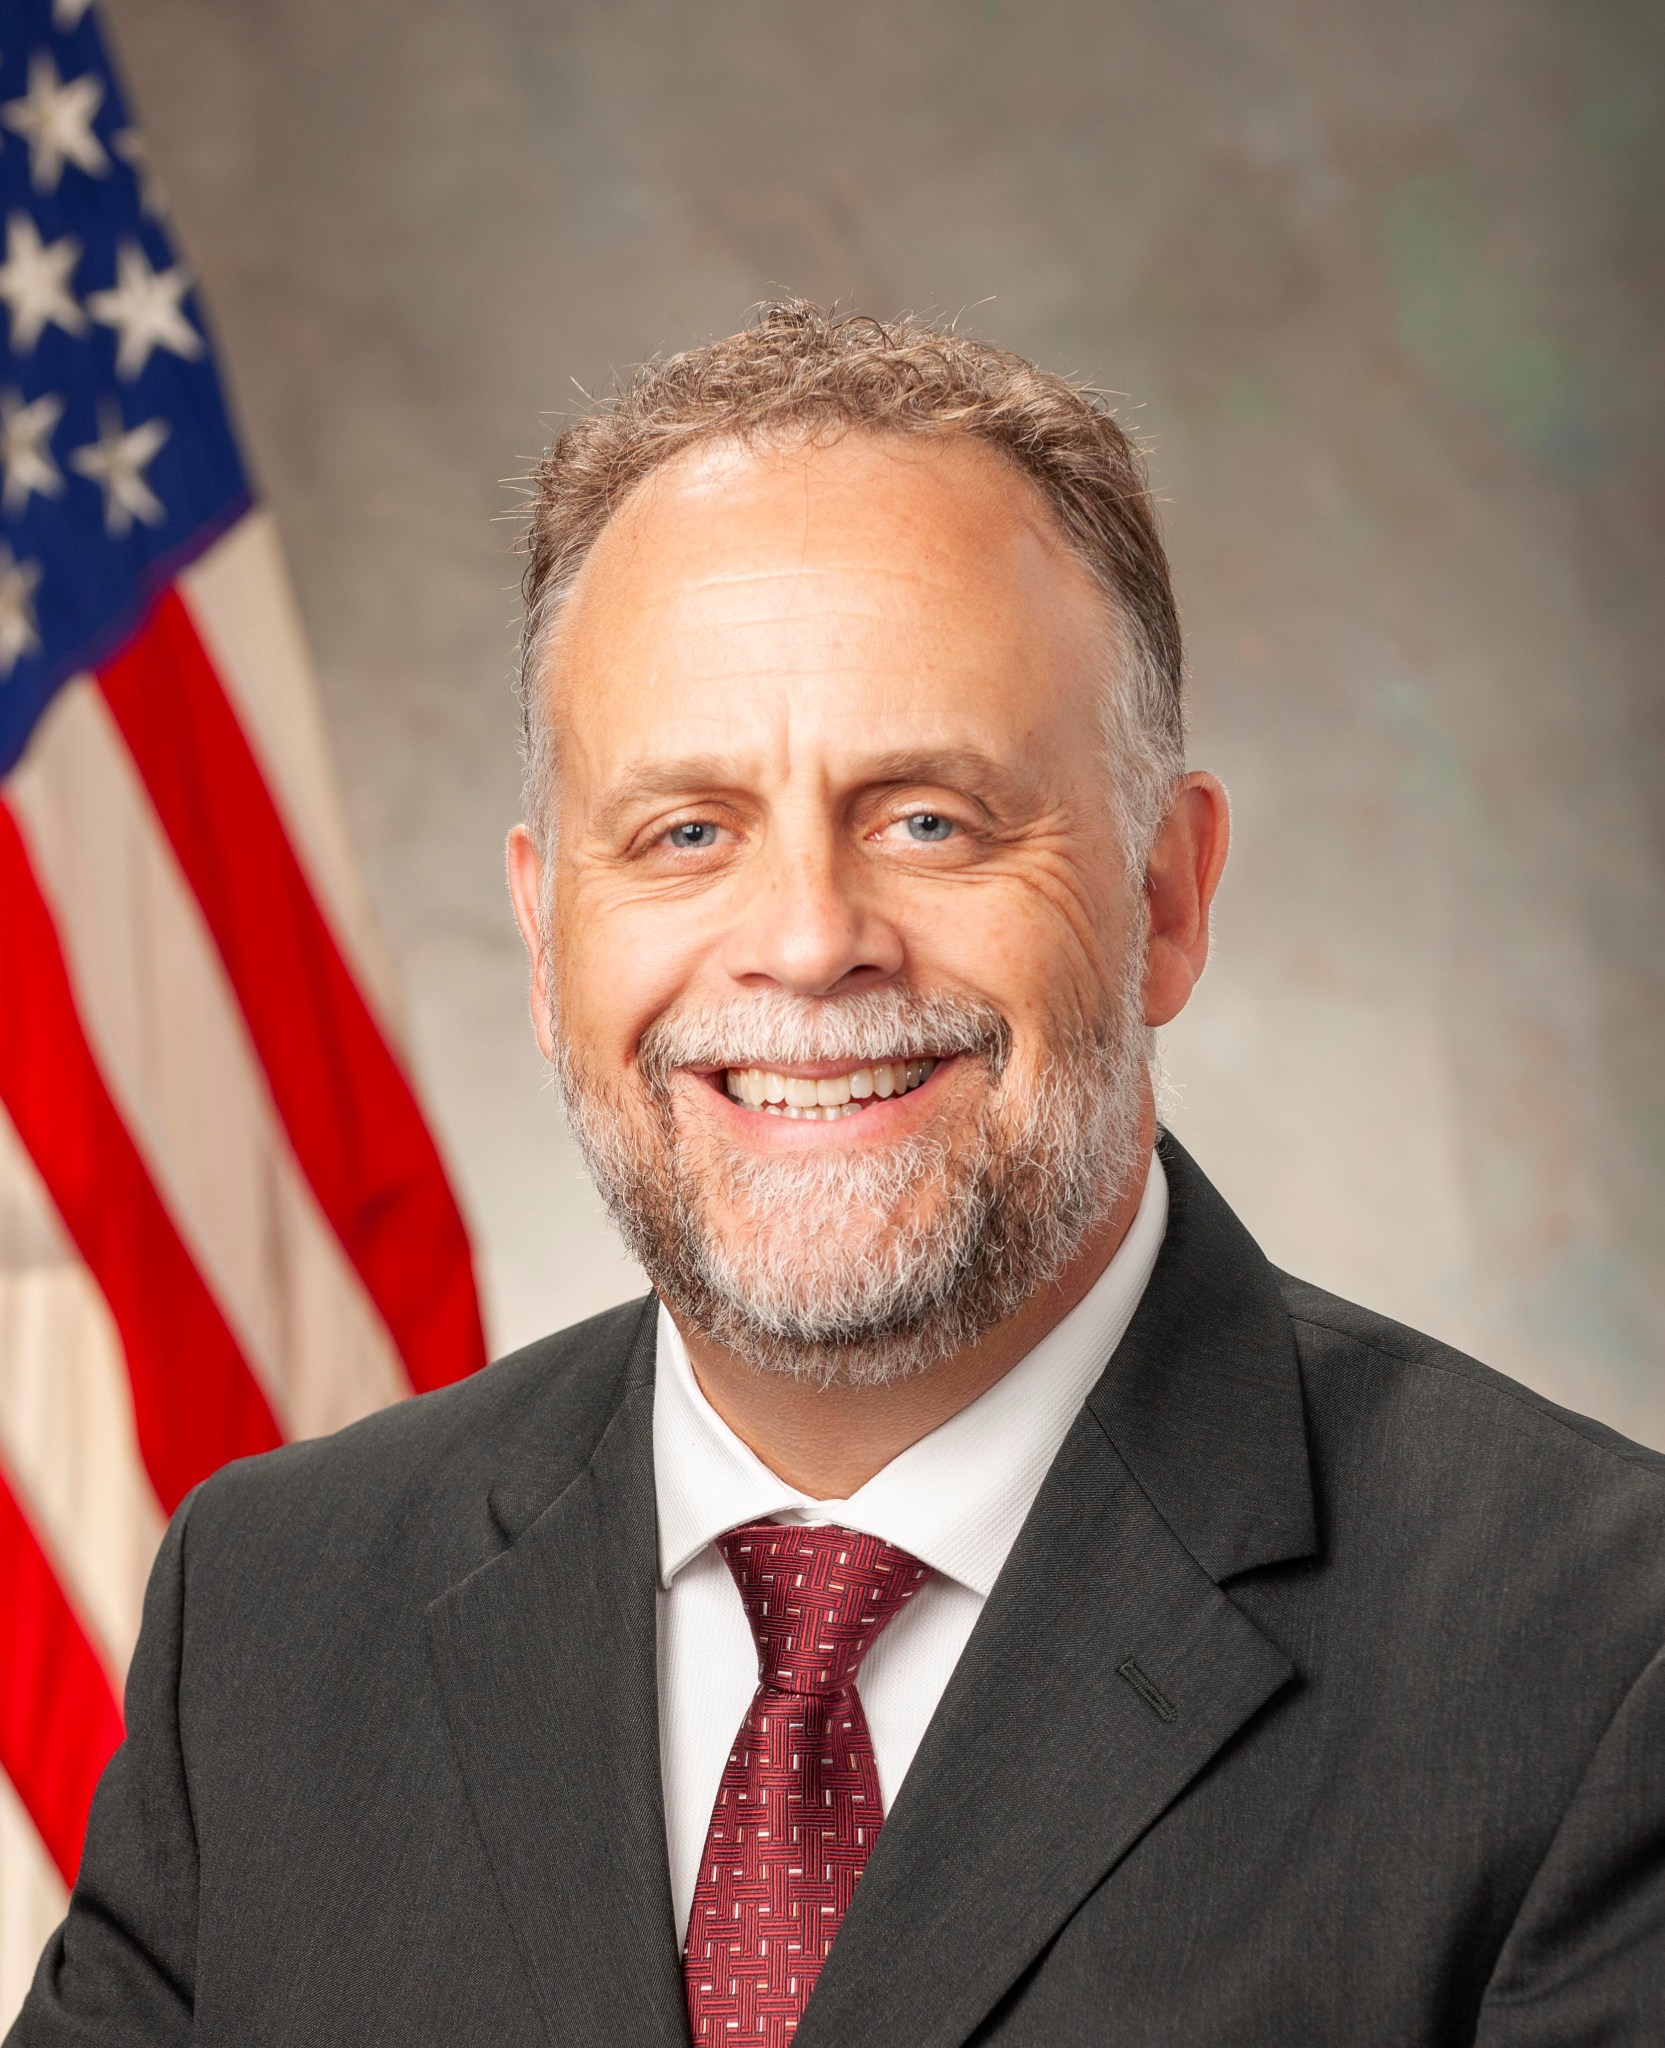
(828, 1097)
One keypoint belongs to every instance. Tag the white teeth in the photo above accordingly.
(839, 1095)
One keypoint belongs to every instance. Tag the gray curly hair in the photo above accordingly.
(800, 373)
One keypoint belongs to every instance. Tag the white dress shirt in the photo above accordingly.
(955, 1500)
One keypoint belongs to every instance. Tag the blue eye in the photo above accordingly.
(929, 826)
(695, 834)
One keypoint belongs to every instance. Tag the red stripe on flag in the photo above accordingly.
(59, 1720)
(195, 1401)
(349, 1111)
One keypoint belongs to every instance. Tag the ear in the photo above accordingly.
(1180, 880)
(526, 892)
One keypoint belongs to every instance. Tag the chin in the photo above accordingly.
(858, 1316)
(823, 1224)
(884, 1359)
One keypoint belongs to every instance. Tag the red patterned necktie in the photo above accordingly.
(798, 1810)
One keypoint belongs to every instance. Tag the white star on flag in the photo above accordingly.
(144, 304)
(25, 432)
(19, 634)
(117, 461)
(68, 14)
(134, 151)
(34, 282)
(55, 118)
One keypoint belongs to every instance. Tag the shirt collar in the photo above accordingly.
(957, 1498)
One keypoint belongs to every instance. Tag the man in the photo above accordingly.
(978, 1600)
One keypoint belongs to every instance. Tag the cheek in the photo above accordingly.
(618, 966)
(1043, 951)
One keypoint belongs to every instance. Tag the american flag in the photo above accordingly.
(223, 1222)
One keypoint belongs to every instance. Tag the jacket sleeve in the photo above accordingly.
(1584, 1962)
(122, 1966)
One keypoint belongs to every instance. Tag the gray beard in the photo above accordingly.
(860, 1269)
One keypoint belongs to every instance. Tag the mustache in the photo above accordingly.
(776, 1029)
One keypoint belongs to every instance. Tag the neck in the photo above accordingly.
(827, 1441)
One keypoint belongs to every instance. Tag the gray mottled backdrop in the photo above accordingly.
(1384, 284)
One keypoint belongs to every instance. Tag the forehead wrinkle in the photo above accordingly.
(839, 628)
(708, 649)
(853, 571)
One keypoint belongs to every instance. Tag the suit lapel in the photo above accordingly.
(546, 1660)
(1108, 1667)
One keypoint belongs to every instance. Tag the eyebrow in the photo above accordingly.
(968, 768)
(644, 781)
(996, 782)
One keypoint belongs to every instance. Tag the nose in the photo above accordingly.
(810, 923)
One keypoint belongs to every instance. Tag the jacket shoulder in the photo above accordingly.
(1339, 1335)
(423, 1467)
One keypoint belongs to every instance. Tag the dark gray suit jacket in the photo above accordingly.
(1321, 1701)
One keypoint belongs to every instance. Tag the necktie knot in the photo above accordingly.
(817, 1598)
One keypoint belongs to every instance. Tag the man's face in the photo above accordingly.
(835, 825)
